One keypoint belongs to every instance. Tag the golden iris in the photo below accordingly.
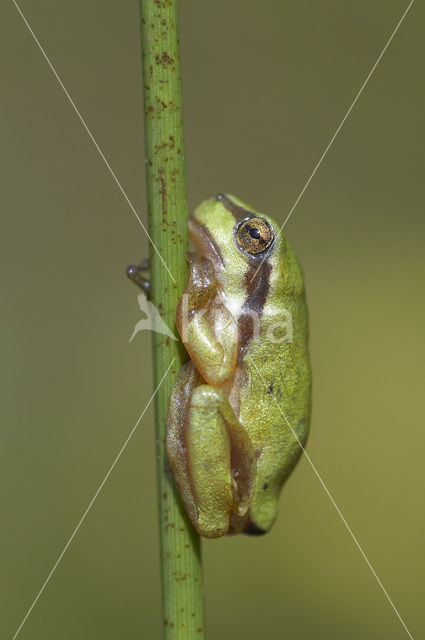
(255, 235)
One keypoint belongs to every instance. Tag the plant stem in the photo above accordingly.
(167, 204)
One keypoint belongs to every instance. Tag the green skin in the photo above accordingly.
(229, 445)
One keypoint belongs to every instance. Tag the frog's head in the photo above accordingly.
(247, 248)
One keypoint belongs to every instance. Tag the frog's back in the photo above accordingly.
(275, 397)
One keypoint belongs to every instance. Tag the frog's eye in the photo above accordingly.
(254, 235)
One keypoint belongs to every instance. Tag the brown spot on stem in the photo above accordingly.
(164, 59)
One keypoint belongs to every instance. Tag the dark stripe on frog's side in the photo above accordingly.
(239, 213)
(257, 284)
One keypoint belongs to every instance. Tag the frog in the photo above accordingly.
(239, 410)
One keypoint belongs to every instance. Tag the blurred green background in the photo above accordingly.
(265, 86)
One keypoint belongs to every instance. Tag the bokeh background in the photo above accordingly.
(265, 86)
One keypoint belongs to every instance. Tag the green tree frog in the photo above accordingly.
(243, 320)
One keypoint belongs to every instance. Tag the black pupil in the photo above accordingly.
(254, 233)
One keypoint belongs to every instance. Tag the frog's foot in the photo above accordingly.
(135, 273)
(212, 457)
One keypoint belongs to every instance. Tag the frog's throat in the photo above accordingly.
(204, 243)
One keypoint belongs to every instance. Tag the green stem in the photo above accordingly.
(167, 204)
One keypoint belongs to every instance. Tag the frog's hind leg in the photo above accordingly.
(178, 405)
(211, 455)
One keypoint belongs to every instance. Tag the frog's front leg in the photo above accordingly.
(206, 326)
(136, 273)
(210, 453)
